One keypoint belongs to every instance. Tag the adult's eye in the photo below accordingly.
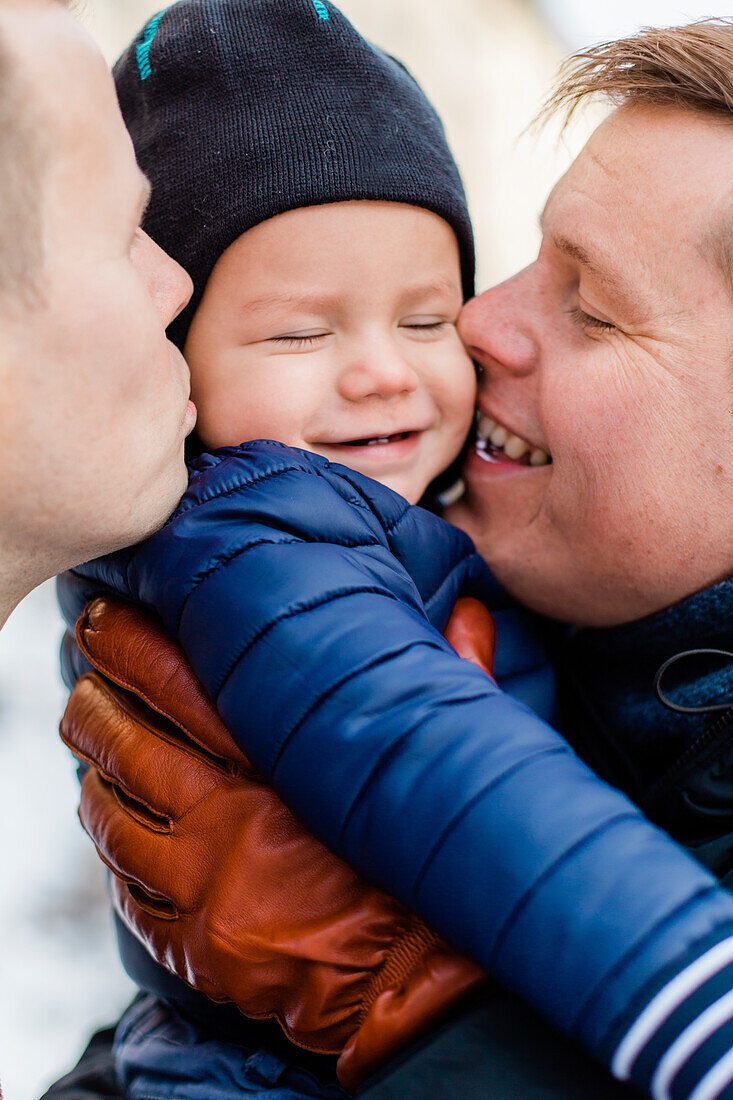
(588, 321)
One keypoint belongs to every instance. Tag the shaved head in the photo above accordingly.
(24, 144)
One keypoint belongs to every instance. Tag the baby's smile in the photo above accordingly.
(333, 329)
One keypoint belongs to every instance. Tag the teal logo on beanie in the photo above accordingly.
(143, 51)
(321, 9)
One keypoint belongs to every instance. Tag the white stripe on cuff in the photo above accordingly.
(715, 1080)
(685, 1045)
(665, 1002)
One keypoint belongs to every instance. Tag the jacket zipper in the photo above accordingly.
(709, 735)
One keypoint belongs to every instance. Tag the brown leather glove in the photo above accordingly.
(216, 877)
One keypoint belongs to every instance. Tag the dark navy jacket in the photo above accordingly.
(310, 602)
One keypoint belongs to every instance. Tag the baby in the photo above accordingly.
(304, 181)
(332, 328)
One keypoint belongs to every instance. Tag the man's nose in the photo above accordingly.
(380, 371)
(168, 284)
(499, 327)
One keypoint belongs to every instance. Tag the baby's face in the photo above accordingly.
(332, 328)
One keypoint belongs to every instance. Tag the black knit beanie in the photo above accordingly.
(242, 109)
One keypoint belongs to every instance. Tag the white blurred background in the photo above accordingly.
(487, 65)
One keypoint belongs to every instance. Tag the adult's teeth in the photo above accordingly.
(515, 447)
(453, 493)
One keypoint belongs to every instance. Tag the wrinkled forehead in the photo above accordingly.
(651, 192)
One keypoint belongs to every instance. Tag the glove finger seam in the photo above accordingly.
(114, 782)
(222, 764)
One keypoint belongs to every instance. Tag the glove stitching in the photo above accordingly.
(105, 671)
(211, 759)
(111, 780)
(129, 880)
(318, 1048)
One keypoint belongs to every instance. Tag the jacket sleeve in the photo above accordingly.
(316, 633)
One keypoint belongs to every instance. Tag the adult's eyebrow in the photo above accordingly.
(605, 274)
(716, 242)
(637, 302)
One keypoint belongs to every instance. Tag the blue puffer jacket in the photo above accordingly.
(310, 602)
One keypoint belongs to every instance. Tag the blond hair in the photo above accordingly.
(689, 66)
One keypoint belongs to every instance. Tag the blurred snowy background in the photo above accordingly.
(487, 65)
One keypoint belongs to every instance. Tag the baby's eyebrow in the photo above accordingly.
(441, 285)
(323, 302)
(300, 301)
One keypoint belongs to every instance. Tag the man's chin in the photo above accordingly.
(471, 516)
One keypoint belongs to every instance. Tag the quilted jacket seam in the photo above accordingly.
(455, 821)
(642, 997)
(391, 527)
(366, 503)
(352, 673)
(241, 486)
(568, 854)
(447, 579)
(291, 612)
(391, 749)
(223, 561)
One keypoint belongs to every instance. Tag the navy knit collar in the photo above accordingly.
(613, 671)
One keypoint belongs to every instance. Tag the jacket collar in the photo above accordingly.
(610, 677)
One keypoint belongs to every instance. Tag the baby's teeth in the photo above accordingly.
(515, 447)
(539, 458)
(484, 426)
(499, 436)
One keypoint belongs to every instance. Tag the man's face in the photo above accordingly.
(613, 353)
(94, 399)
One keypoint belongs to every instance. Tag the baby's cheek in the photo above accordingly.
(462, 396)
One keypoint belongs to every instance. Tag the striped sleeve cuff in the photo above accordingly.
(680, 1047)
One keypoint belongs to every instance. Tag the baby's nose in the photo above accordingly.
(382, 374)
